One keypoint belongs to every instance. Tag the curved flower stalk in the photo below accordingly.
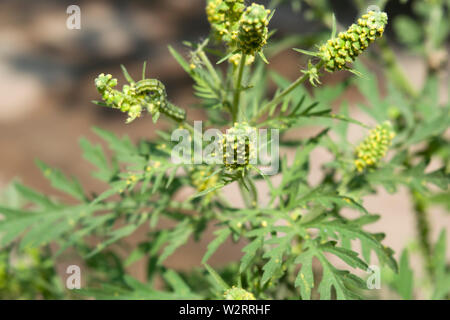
(374, 147)
(238, 294)
(149, 94)
(351, 43)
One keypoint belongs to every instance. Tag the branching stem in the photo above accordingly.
(278, 98)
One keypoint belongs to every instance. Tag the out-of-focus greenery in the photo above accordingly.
(28, 273)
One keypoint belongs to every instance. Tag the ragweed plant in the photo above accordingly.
(294, 232)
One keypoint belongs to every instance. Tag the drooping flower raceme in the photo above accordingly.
(351, 43)
(149, 94)
(374, 147)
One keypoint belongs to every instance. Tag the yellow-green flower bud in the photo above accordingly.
(134, 112)
(253, 32)
(236, 59)
(201, 178)
(105, 82)
(351, 43)
(212, 12)
(113, 98)
(223, 16)
(238, 294)
(369, 153)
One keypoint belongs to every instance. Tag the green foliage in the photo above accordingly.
(135, 290)
(29, 275)
(299, 243)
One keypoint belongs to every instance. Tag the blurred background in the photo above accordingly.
(47, 82)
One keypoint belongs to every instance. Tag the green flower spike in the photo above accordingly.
(239, 147)
(351, 43)
(214, 16)
(252, 34)
(374, 147)
(238, 294)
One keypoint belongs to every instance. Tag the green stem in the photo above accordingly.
(237, 92)
(253, 192)
(247, 201)
(423, 230)
(276, 100)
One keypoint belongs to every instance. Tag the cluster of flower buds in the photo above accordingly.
(236, 59)
(374, 147)
(351, 43)
(147, 93)
(239, 146)
(252, 34)
(238, 294)
(202, 179)
(244, 30)
(223, 15)
(124, 100)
